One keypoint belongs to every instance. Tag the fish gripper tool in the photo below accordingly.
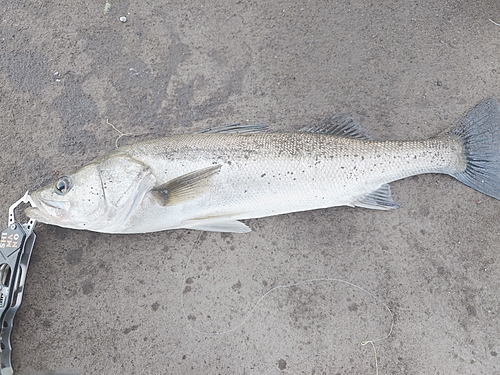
(16, 244)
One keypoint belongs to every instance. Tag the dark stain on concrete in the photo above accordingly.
(282, 364)
(236, 286)
(87, 287)
(74, 256)
(189, 114)
(78, 113)
(27, 71)
(126, 331)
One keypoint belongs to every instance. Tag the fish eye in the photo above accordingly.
(63, 185)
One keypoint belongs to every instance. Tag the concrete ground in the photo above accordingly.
(150, 304)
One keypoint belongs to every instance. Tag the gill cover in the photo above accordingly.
(124, 182)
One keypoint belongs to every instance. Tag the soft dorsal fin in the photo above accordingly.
(186, 187)
(235, 129)
(340, 126)
(380, 199)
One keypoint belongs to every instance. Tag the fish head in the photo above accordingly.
(100, 196)
(72, 201)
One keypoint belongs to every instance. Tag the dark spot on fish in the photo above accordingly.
(263, 175)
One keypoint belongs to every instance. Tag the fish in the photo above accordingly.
(213, 179)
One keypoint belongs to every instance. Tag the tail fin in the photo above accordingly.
(480, 131)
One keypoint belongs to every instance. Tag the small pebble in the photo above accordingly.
(123, 19)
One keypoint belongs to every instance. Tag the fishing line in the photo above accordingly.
(286, 286)
(121, 134)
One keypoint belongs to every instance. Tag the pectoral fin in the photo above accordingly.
(186, 187)
(380, 199)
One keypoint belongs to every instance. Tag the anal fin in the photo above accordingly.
(380, 199)
(217, 225)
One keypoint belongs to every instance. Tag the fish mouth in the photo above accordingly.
(47, 210)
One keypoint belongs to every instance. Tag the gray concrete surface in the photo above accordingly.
(146, 304)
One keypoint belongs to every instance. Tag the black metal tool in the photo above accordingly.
(16, 244)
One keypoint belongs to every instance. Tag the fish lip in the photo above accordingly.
(48, 208)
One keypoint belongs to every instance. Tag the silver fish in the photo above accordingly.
(211, 180)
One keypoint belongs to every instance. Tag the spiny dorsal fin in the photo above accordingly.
(235, 129)
(380, 199)
(340, 126)
(187, 186)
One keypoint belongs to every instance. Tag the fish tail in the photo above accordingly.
(480, 132)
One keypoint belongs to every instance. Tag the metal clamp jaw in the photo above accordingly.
(16, 245)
